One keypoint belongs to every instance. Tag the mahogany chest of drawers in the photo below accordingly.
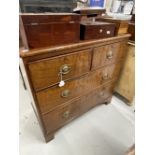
(90, 70)
(50, 29)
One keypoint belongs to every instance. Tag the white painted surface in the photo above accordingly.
(104, 130)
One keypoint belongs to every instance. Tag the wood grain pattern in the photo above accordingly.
(64, 49)
(71, 110)
(96, 31)
(126, 83)
(29, 18)
(108, 54)
(23, 38)
(52, 97)
(91, 81)
(131, 30)
(48, 30)
(46, 72)
(121, 25)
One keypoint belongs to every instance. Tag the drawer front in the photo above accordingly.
(60, 116)
(108, 54)
(71, 110)
(99, 32)
(97, 96)
(50, 98)
(46, 72)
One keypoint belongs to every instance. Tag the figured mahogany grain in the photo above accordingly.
(45, 73)
(43, 30)
(100, 54)
(91, 82)
(50, 98)
(58, 117)
(96, 31)
(41, 53)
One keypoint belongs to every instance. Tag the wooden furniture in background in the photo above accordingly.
(126, 83)
(121, 25)
(96, 30)
(22, 36)
(131, 30)
(90, 70)
(50, 29)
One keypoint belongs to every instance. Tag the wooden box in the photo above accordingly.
(121, 25)
(51, 29)
(96, 30)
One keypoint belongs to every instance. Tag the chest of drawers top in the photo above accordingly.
(41, 53)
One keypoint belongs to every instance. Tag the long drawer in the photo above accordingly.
(50, 98)
(108, 54)
(71, 110)
(46, 72)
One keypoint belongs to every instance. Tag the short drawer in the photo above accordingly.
(108, 54)
(52, 97)
(71, 110)
(46, 72)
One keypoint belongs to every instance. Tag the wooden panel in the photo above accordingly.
(121, 25)
(49, 35)
(71, 110)
(108, 54)
(52, 97)
(46, 72)
(98, 96)
(90, 31)
(48, 30)
(64, 49)
(123, 28)
(126, 83)
(131, 30)
(29, 18)
(60, 116)
(22, 35)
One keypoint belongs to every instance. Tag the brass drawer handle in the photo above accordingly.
(65, 69)
(102, 94)
(65, 93)
(105, 76)
(109, 55)
(66, 114)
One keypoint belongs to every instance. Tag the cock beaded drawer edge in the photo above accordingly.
(89, 69)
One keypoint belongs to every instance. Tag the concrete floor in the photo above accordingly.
(104, 130)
